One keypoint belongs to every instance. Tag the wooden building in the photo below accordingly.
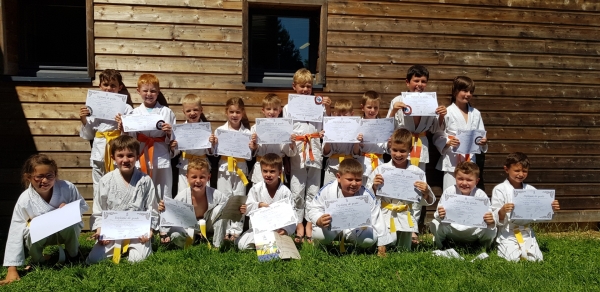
(536, 64)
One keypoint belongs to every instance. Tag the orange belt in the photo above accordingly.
(415, 153)
(306, 140)
(374, 159)
(148, 149)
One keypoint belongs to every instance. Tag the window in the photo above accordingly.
(279, 40)
(49, 40)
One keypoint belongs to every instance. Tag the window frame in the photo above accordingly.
(278, 4)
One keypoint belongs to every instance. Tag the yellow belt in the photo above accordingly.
(417, 144)
(341, 157)
(374, 159)
(398, 208)
(191, 156)
(121, 249)
(281, 176)
(519, 236)
(109, 164)
(232, 166)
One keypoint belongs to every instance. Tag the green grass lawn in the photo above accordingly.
(572, 263)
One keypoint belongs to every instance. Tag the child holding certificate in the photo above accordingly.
(371, 154)
(266, 192)
(516, 240)
(337, 152)
(44, 193)
(233, 171)
(192, 109)
(460, 116)
(467, 177)
(271, 108)
(305, 168)
(155, 157)
(416, 81)
(103, 131)
(123, 189)
(397, 213)
(348, 184)
(207, 204)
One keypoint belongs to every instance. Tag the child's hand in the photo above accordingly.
(322, 134)
(84, 112)
(441, 212)
(507, 208)
(398, 106)
(324, 221)
(173, 145)
(62, 205)
(327, 105)
(213, 139)
(96, 236)
(555, 205)
(253, 146)
(441, 110)
(293, 140)
(167, 129)
(243, 209)
(360, 138)
(452, 142)
(422, 187)
(119, 122)
(483, 141)
(144, 239)
(263, 205)
(161, 206)
(282, 232)
(118, 118)
(377, 181)
(489, 219)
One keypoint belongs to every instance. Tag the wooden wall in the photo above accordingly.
(535, 64)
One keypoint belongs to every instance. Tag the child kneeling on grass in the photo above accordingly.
(467, 177)
(348, 184)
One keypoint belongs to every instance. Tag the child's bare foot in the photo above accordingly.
(298, 239)
(381, 252)
(164, 238)
(415, 239)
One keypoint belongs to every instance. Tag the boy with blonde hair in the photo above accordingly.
(305, 168)
(337, 152)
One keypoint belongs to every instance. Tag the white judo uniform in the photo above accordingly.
(160, 166)
(216, 201)
(454, 121)
(31, 205)
(115, 194)
(259, 193)
(306, 168)
(371, 156)
(363, 237)
(509, 246)
(338, 152)
(263, 149)
(230, 183)
(98, 130)
(400, 212)
(457, 232)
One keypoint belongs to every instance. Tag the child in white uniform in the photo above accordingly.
(371, 154)
(516, 240)
(44, 194)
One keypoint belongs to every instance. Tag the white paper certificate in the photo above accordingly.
(192, 135)
(234, 144)
(105, 105)
(399, 184)
(274, 131)
(178, 213)
(533, 204)
(138, 123)
(231, 210)
(341, 129)
(468, 141)
(277, 215)
(376, 130)
(54, 221)
(125, 224)
(465, 210)
(305, 108)
(420, 103)
(349, 212)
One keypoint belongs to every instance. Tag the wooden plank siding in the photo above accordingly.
(536, 65)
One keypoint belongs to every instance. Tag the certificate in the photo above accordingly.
(465, 210)
(376, 130)
(274, 131)
(192, 135)
(305, 107)
(468, 141)
(178, 213)
(231, 210)
(105, 105)
(420, 103)
(341, 129)
(532, 205)
(399, 184)
(270, 245)
(54, 221)
(277, 215)
(234, 144)
(125, 224)
(349, 212)
(138, 123)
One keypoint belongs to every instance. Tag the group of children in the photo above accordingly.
(132, 171)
